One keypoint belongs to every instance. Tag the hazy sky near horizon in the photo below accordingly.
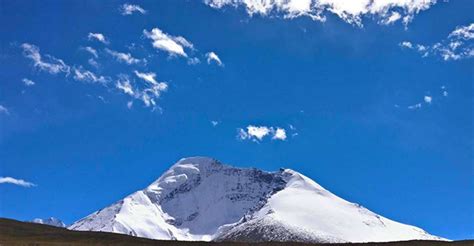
(373, 102)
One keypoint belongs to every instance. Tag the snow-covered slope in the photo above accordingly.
(200, 198)
(305, 206)
(49, 221)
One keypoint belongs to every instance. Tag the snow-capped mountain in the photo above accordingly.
(199, 198)
(49, 221)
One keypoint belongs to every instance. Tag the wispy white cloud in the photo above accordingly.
(148, 77)
(81, 74)
(394, 17)
(124, 85)
(148, 93)
(293, 130)
(463, 32)
(385, 12)
(93, 62)
(174, 45)
(4, 110)
(28, 82)
(153, 89)
(129, 104)
(123, 57)
(292, 127)
(415, 106)
(258, 133)
(54, 65)
(179, 46)
(101, 98)
(444, 91)
(427, 100)
(19, 182)
(129, 9)
(184, 42)
(92, 51)
(458, 45)
(46, 63)
(289, 9)
(406, 44)
(193, 61)
(212, 57)
(98, 37)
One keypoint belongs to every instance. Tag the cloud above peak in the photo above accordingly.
(254, 132)
(353, 11)
(258, 133)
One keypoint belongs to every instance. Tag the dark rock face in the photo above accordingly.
(242, 190)
(265, 230)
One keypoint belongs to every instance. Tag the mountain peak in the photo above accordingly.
(199, 198)
(186, 169)
(197, 160)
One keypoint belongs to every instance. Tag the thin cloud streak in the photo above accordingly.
(129, 9)
(458, 45)
(47, 63)
(174, 45)
(14, 181)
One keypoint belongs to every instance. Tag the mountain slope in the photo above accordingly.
(200, 198)
(14, 232)
(305, 206)
(49, 221)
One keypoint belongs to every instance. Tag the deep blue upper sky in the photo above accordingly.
(351, 100)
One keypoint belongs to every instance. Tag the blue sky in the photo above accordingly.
(375, 104)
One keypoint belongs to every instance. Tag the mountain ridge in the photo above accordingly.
(49, 221)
